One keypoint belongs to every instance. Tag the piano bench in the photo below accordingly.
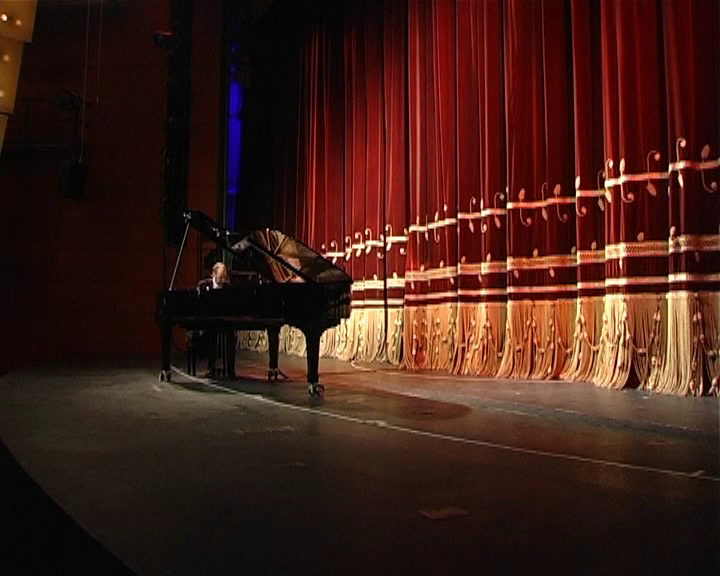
(197, 344)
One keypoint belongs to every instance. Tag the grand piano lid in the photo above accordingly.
(281, 258)
(271, 253)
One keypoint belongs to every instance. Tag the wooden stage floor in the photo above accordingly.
(103, 467)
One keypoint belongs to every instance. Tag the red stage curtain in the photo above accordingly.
(590, 208)
(482, 226)
(350, 164)
(534, 181)
(541, 198)
(689, 361)
(431, 271)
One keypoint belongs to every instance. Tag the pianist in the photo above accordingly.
(219, 281)
(219, 278)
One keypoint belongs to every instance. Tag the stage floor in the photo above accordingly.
(390, 473)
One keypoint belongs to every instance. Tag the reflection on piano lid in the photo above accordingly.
(275, 256)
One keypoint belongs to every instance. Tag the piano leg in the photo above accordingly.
(273, 351)
(312, 339)
(165, 335)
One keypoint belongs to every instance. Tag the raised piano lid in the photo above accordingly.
(274, 255)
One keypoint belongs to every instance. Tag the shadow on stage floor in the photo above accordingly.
(37, 537)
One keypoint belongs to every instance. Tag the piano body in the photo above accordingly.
(275, 280)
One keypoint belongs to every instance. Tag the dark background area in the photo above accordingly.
(80, 277)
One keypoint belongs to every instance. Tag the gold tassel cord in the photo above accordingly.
(583, 361)
(481, 330)
(518, 352)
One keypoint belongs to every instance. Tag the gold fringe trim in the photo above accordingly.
(292, 341)
(538, 339)
(709, 338)
(552, 337)
(430, 336)
(671, 341)
(361, 337)
(394, 340)
(517, 356)
(690, 363)
(255, 340)
(634, 329)
(481, 338)
(583, 361)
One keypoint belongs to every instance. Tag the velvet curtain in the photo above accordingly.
(519, 188)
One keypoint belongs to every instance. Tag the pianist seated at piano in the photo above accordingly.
(225, 339)
(219, 278)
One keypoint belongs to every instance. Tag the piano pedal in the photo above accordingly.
(316, 389)
(164, 376)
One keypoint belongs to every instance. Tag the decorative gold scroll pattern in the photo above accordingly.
(363, 244)
(495, 212)
(706, 164)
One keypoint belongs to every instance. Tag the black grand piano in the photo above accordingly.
(275, 280)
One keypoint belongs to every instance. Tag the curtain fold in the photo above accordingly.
(431, 266)
(482, 226)
(689, 360)
(590, 203)
(519, 188)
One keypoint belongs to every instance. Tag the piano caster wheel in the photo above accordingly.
(273, 374)
(316, 389)
(164, 376)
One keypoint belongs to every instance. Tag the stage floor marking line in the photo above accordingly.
(362, 371)
(455, 439)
